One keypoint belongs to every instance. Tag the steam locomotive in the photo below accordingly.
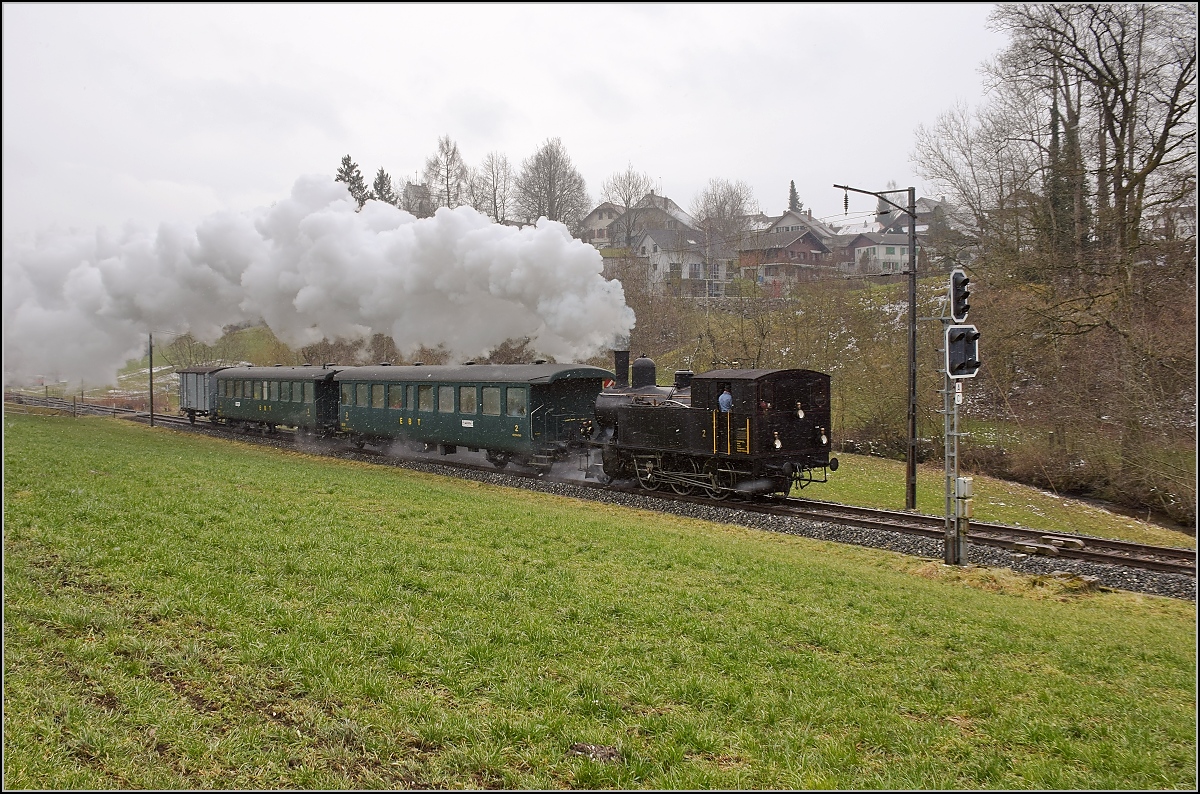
(775, 434)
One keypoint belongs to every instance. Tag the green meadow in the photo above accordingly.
(188, 612)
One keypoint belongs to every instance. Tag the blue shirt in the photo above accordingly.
(725, 401)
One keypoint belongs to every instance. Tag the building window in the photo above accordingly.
(695, 270)
(656, 249)
(643, 250)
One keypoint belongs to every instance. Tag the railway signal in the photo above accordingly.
(962, 351)
(958, 296)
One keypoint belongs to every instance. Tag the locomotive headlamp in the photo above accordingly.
(778, 443)
(799, 411)
(824, 438)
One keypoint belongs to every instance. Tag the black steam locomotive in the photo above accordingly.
(775, 433)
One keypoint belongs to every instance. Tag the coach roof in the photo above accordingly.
(280, 373)
(476, 373)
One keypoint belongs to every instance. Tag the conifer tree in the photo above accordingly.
(794, 202)
(383, 189)
(353, 178)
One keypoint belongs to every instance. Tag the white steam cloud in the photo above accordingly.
(77, 306)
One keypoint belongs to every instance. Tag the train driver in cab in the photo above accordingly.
(725, 401)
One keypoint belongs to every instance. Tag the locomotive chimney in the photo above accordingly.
(621, 367)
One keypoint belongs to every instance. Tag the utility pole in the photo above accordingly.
(151, 380)
(910, 477)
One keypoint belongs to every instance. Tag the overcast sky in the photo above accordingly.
(150, 113)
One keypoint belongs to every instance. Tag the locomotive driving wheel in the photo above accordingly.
(645, 475)
(713, 476)
(688, 469)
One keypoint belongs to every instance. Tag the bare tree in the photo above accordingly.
(1073, 173)
(550, 187)
(446, 175)
(491, 187)
(723, 209)
(625, 189)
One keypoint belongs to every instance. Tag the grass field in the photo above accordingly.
(877, 482)
(184, 612)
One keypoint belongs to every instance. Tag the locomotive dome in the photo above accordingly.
(644, 373)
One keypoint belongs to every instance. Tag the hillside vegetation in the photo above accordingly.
(185, 612)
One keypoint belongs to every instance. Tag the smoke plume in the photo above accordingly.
(77, 306)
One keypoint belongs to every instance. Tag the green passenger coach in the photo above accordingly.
(530, 413)
(267, 397)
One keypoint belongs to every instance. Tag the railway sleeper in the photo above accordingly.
(1035, 548)
(1069, 543)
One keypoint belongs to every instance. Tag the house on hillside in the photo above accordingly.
(676, 263)
(779, 259)
(597, 222)
(801, 220)
(874, 254)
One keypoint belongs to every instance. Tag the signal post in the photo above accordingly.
(960, 361)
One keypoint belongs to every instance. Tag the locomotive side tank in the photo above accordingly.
(643, 389)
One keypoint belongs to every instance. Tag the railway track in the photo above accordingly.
(1016, 539)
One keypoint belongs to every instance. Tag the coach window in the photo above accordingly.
(297, 394)
(308, 392)
(466, 400)
(258, 389)
(516, 402)
(396, 397)
(347, 394)
(275, 391)
(377, 395)
(364, 395)
(237, 389)
(424, 398)
(285, 391)
(491, 400)
(445, 399)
